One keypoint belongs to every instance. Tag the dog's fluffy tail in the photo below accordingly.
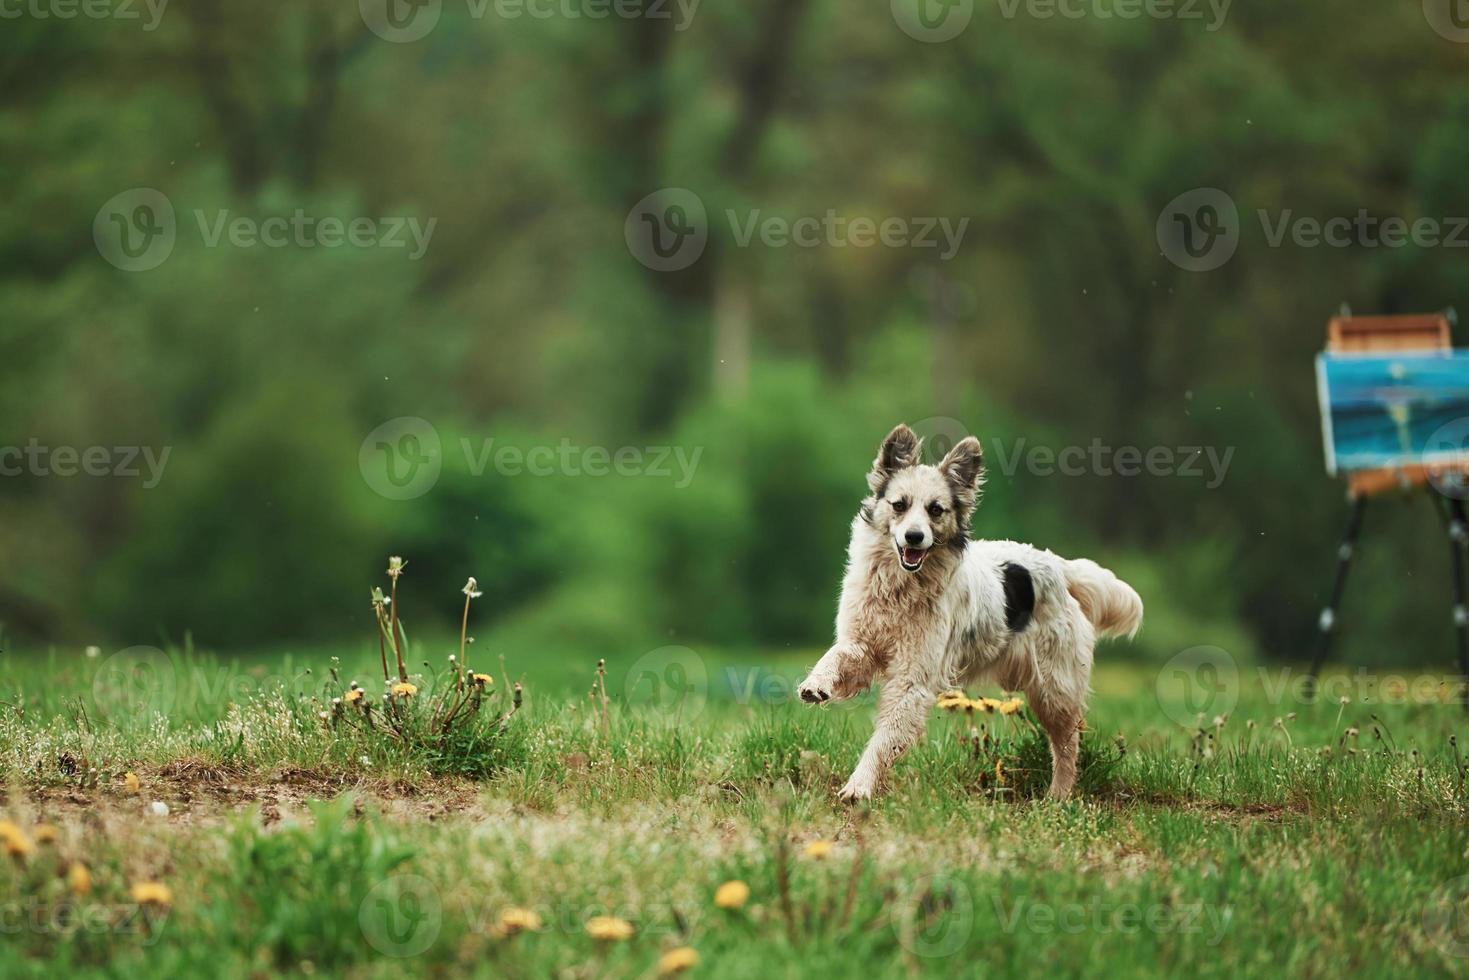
(1111, 605)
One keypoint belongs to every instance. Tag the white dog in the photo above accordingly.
(925, 609)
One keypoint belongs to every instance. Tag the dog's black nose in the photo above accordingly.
(915, 537)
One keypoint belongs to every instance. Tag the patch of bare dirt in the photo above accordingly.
(197, 792)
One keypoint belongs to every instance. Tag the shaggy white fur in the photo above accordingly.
(925, 609)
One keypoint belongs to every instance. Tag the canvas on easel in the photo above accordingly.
(1395, 418)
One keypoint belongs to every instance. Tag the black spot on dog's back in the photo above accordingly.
(1019, 596)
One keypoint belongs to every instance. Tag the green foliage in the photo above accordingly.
(1175, 856)
(297, 892)
(262, 369)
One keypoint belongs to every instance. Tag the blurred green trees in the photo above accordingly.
(528, 321)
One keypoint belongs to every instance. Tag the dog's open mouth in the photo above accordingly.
(911, 558)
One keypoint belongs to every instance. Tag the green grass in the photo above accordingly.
(1268, 841)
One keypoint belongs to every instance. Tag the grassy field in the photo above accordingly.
(1237, 831)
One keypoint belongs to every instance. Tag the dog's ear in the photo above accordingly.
(898, 451)
(964, 468)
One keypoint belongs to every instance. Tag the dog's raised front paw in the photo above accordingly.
(856, 790)
(816, 688)
(813, 692)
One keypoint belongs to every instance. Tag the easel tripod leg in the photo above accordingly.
(1326, 625)
(1458, 537)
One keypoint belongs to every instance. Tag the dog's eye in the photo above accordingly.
(935, 511)
(899, 506)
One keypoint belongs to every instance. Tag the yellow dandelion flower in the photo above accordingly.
(131, 782)
(952, 701)
(152, 893)
(1011, 706)
(732, 895)
(609, 928)
(16, 843)
(353, 695)
(1000, 771)
(79, 879)
(484, 679)
(988, 705)
(45, 833)
(514, 920)
(818, 850)
(403, 689)
(677, 961)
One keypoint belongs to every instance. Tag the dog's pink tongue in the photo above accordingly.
(912, 555)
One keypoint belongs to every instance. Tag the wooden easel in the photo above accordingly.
(1426, 333)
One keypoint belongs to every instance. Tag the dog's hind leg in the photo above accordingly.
(902, 714)
(1062, 722)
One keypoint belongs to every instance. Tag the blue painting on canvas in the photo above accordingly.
(1394, 410)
